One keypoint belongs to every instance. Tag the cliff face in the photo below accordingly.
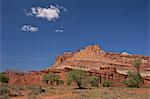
(93, 57)
(62, 58)
(94, 60)
(94, 49)
(106, 65)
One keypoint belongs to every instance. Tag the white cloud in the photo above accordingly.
(58, 30)
(61, 7)
(50, 13)
(27, 13)
(29, 28)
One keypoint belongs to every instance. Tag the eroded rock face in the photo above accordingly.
(91, 55)
(91, 59)
(62, 58)
(27, 79)
(94, 49)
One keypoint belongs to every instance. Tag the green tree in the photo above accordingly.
(79, 77)
(51, 78)
(137, 64)
(134, 79)
(94, 81)
(60, 82)
(107, 83)
(3, 78)
(3, 90)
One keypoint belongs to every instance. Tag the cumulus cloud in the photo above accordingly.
(50, 13)
(61, 7)
(29, 28)
(58, 30)
(27, 13)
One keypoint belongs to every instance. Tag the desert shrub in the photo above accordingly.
(36, 90)
(60, 82)
(52, 79)
(133, 79)
(79, 77)
(46, 78)
(137, 64)
(94, 81)
(20, 88)
(4, 90)
(3, 78)
(107, 83)
(14, 94)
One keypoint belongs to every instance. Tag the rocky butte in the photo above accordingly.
(94, 60)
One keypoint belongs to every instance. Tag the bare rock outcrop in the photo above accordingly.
(94, 60)
(93, 54)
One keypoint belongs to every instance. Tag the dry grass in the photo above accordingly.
(99, 93)
(94, 93)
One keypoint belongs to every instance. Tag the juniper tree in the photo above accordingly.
(134, 79)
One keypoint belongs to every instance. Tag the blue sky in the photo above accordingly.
(35, 31)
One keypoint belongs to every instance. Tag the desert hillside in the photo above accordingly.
(93, 57)
(94, 60)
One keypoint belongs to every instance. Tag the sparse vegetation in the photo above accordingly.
(61, 92)
(79, 77)
(82, 79)
(137, 64)
(134, 79)
(4, 90)
(52, 79)
(94, 81)
(35, 90)
(107, 83)
(3, 78)
(60, 82)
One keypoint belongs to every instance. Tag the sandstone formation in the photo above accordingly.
(93, 57)
(94, 60)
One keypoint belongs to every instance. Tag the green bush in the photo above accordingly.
(36, 90)
(107, 83)
(52, 79)
(133, 79)
(137, 64)
(94, 81)
(4, 90)
(60, 82)
(79, 77)
(82, 79)
(3, 78)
